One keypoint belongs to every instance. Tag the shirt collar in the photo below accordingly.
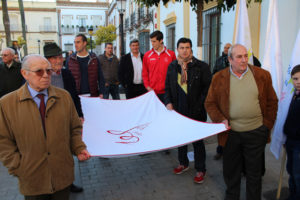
(230, 68)
(33, 93)
(158, 53)
(139, 55)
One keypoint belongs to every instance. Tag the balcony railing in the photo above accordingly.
(13, 27)
(81, 29)
(132, 19)
(43, 28)
(126, 26)
(67, 30)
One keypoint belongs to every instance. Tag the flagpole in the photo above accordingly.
(281, 174)
(236, 20)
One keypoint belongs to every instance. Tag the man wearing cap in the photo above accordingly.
(10, 72)
(86, 70)
(62, 78)
(40, 130)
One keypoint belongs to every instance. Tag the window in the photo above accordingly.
(82, 20)
(211, 36)
(171, 37)
(96, 19)
(67, 20)
(144, 41)
(68, 47)
(47, 24)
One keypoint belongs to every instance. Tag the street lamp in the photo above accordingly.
(121, 11)
(90, 31)
(39, 41)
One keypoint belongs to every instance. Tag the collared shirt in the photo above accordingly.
(137, 69)
(230, 68)
(8, 66)
(34, 94)
(158, 53)
(57, 80)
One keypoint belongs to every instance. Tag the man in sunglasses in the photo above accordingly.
(10, 74)
(40, 130)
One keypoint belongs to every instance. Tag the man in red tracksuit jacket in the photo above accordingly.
(155, 65)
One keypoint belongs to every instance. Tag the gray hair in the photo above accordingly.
(11, 51)
(27, 60)
(231, 49)
(134, 41)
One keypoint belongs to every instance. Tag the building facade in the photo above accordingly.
(41, 24)
(76, 17)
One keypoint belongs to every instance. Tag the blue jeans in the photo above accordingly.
(293, 168)
(112, 89)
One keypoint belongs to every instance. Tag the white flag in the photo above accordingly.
(278, 138)
(272, 57)
(117, 128)
(241, 33)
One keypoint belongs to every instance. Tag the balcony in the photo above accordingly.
(126, 25)
(47, 28)
(13, 28)
(81, 29)
(67, 30)
(132, 21)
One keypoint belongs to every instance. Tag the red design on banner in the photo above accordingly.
(131, 135)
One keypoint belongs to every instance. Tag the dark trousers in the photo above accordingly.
(59, 195)
(135, 90)
(293, 168)
(112, 89)
(249, 147)
(199, 156)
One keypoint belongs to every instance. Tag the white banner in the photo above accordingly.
(278, 138)
(241, 32)
(272, 57)
(116, 128)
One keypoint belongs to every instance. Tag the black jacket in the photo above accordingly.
(199, 78)
(126, 70)
(10, 78)
(221, 63)
(291, 125)
(70, 86)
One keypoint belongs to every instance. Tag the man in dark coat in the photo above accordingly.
(187, 84)
(130, 71)
(10, 72)
(62, 78)
(222, 62)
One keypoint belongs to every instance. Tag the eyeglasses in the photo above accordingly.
(4, 55)
(40, 72)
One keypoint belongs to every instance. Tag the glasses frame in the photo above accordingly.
(41, 72)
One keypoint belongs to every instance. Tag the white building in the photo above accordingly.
(77, 17)
(41, 24)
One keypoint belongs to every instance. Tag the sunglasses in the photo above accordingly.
(40, 72)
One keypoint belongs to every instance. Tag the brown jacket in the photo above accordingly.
(43, 165)
(217, 100)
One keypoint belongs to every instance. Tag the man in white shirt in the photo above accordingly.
(130, 71)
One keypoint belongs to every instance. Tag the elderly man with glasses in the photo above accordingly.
(40, 130)
(10, 72)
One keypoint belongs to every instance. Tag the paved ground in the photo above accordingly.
(150, 177)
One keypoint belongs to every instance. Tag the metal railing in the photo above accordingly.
(45, 28)
(67, 30)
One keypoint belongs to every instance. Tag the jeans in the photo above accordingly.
(199, 156)
(293, 168)
(112, 89)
